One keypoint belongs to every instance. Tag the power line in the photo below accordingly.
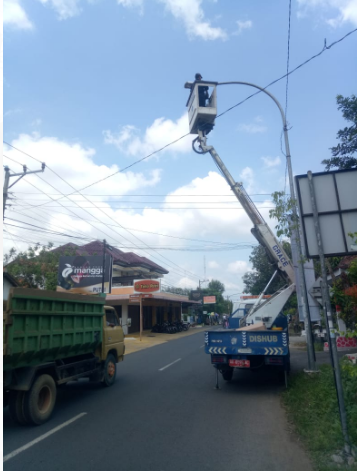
(150, 232)
(325, 48)
(146, 207)
(77, 191)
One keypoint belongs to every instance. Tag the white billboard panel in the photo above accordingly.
(336, 201)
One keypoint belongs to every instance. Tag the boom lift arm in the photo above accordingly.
(270, 308)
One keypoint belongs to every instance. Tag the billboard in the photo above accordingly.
(84, 274)
(147, 286)
(336, 201)
(209, 299)
(196, 295)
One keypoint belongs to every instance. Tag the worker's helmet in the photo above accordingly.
(198, 76)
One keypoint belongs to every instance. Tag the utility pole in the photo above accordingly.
(103, 274)
(301, 282)
(20, 175)
(201, 281)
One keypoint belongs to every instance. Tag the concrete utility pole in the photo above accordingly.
(301, 282)
(7, 181)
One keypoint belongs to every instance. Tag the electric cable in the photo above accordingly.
(125, 238)
(325, 48)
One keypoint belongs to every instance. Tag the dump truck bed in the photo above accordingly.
(44, 326)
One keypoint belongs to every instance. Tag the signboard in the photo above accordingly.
(336, 201)
(135, 298)
(196, 295)
(209, 299)
(147, 286)
(84, 274)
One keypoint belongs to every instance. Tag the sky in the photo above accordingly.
(94, 87)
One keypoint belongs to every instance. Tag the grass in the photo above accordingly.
(312, 407)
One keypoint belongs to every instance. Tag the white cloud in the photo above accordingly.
(333, 12)
(238, 267)
(139, 4)
(213, 264)
(160, 133)
(65, 8)
(253, 128)
(247, 176)
(242, 25)
(271, 161)
(15, 16)
(193, 18)
(202, 218)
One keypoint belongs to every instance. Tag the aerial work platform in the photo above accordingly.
(201, 118)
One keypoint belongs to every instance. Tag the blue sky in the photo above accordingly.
(92, 86)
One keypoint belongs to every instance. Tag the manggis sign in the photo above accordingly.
(146, 286)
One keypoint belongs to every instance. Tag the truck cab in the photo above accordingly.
(113, 335)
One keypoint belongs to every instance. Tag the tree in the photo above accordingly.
(255, 281)
(35, 267)
(172, 289)
(216, 288)
(342, 154)
(344, 294)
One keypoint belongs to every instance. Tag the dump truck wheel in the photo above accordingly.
(110, 370)
(16, 407)
(40, 400)
(227, 374)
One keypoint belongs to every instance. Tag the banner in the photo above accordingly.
(209, 299)
(84, 274)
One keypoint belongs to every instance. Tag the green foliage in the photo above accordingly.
(342, 154)
(36, 267)
(255, 281)
(347, 302)
(172, 289)
(216, 288)
(312, 405)
(283, 212)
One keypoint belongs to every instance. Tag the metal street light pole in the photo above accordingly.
(295, 231)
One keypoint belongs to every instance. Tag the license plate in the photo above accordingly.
(240, 363)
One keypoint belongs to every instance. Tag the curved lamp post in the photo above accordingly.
(295, 232)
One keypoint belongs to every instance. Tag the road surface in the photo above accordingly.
(163, 414)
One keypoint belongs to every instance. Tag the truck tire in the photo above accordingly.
(227, 374)
(40, 399)
(16, 407)
(110, 370)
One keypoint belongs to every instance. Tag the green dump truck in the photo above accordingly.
(50, 339)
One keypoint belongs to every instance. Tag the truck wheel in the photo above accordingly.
(40, 400)
(16, 407)
(227, 374)
(110, 370)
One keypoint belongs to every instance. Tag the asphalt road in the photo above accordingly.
(163, 414)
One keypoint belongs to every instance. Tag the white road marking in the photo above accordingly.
(164, 368)
(201, 346)
(42, 437)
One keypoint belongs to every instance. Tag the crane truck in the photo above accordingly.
(261, 338)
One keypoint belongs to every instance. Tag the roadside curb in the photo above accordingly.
(151, 339)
